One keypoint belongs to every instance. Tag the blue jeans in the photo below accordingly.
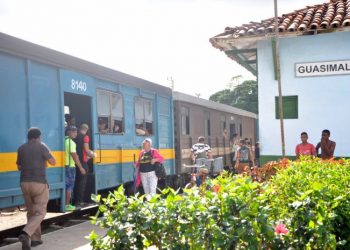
(70, 178)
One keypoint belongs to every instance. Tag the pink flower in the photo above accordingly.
(281, 229)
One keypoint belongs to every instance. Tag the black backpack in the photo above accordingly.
(244, 154)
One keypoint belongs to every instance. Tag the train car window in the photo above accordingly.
(139, 111)
(143, 117)
(223, 122)
(103, 124)
(206, 123)
(185, 121)
(117, 113)
(103, 103)
(232, 130)
(148, 111)
(110, 112)
(223, 126)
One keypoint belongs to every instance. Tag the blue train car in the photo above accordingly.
(38, 86)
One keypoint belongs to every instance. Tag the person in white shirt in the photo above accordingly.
(200, 150)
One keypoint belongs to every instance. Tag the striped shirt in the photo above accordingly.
(200, 150)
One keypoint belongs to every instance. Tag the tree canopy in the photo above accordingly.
(243, 96)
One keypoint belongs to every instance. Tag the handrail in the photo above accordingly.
(99, 148)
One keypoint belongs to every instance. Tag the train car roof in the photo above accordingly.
(177, 96)
(22, 48)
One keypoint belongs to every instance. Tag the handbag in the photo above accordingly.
(159, 169)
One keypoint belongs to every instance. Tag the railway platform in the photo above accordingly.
(69, 238)
(18, 218)
(56, 228)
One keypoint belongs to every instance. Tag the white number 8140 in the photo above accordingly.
(78, 85)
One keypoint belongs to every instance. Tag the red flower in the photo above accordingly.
(216, 188)
(281, 229)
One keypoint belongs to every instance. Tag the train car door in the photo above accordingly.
(78, 96)
(79, 107)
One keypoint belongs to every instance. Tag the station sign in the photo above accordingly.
(322, 68)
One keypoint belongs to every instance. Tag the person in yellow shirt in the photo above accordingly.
(71, 161)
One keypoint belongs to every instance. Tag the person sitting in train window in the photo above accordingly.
(140, 130)
(103, 125)
(149, 128)
(117, 126)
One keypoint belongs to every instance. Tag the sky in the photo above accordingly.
(157, 40)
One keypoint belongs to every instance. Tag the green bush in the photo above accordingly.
(310, 197)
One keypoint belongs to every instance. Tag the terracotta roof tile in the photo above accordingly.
(333, 14)
(239, 42)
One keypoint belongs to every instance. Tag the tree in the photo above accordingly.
(243, 96)
(235, 80)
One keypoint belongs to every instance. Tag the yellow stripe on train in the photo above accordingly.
(8, 160)
(126, 155)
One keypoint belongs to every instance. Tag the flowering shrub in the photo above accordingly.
(216, 188)
(268, 170)
(281, 229)
(313, 198)
(302, 205)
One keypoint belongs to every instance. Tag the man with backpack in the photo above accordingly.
(200, 150)
(244, 158)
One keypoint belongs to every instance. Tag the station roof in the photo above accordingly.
(239, 42)
(177, 96)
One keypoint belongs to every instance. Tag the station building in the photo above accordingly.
(315, 74)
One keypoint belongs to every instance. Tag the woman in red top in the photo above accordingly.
(145, 165)
(304, 148)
